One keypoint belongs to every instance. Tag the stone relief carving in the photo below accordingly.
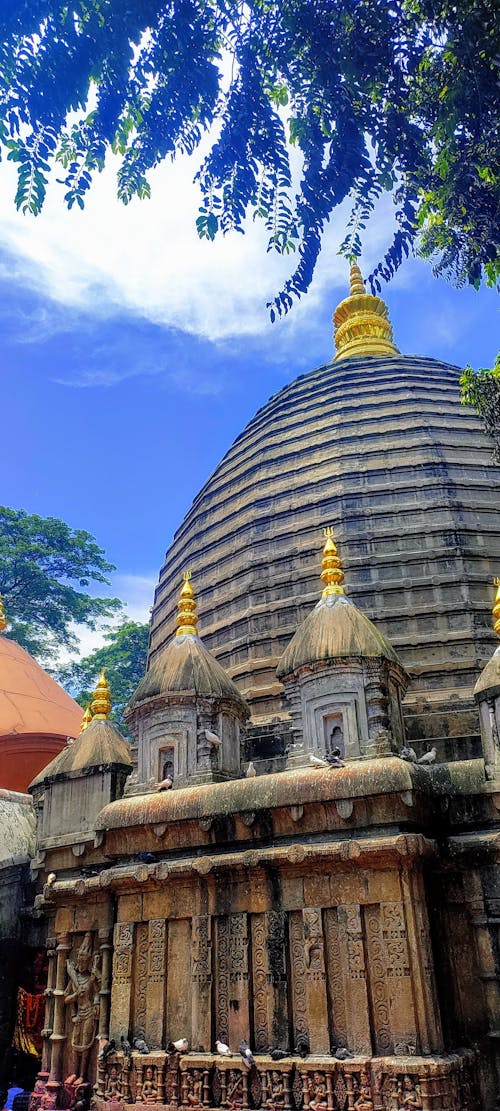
(83, 992)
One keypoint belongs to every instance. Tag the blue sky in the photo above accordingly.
(133, 355)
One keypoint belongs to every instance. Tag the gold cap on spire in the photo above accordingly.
(362, 325)
(101, 703)
(187, 620)
(87, 718)
(332, 573)
(496, 608)
(3, 619)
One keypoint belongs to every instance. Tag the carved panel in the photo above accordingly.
(238, 978)
(140, 980)
(400, 995)
(315, 976)
(353, 959)
(378, 972)
(201, 976)
(277, 978)
(298, 969)
(222, 1005)
(335, 979)
(155, 999)
(259, 967)
(122, 960)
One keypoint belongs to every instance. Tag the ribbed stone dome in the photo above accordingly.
(382, 449)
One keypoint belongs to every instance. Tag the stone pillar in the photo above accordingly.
(105, 988)
(260, 971)
(485, 951)
(58, 1036)
(155, 994)
(49, 1003)
(201, 979)
(277, 996)
(315, 977)
(298, 971)
(239, 1017)
(121, 989)
(422, 967)
(354, 969)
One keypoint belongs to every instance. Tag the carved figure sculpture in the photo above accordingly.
(83, 991)
(318, 1098)
(193, 1088)
(149, 1087)
(409, 1095)
(112, 1089)
(364, 1101)
(276, 1092)
(234, 1088)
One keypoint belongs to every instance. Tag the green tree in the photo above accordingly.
(377, 95)
(481, 389)
(45, 567)
(124, 656)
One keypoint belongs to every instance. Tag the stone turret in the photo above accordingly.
(84, 777)
(186, 714)
(343, 681)
(487, 695)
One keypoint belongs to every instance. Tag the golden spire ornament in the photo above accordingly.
(496, 607)
(101, 702)
(86, 720)
(3, 619)
(362, 325)
(187, 619)
(332, 574)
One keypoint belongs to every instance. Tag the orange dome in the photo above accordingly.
(36, 717)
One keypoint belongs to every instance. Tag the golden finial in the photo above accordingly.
(332, 573)
(86, 720)
(101, 702)
(361, 322)
(187, 620)
(3, 619)
(496, 607)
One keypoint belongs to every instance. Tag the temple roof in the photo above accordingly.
(334, 629)
(30, 700)
(185, 665)
(17, 828)
(99, 745)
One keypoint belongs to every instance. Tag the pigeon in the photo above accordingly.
(126, 1047)
(215, 741)
(140, 1045)
(428, 757)
(335, 760)
(222, 1050)
(246, 1054)
(51, 879)
(342, 1054)
(302, 1047)
(180, 1046)
(408, 754)
(317, 761)
(250, 772)
(278, 1054)
(147, 858)
(106, 1048)
(166, 784)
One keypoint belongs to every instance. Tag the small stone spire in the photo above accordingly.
(332, 573)
(496, 608)
(187, 619)
(101, 703)
(3, 619)
(362, 325)
(86, 720)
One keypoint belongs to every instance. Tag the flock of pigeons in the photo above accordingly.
(181, 1045)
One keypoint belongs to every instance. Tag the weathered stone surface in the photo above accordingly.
(343, 445)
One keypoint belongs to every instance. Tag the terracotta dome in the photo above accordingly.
(36, 717)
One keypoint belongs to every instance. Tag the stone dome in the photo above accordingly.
(381, 448)
(100, 745)
(185, 666)
(334, 629)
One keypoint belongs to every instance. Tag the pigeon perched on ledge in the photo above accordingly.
(166, 784)
(407, 753)
(222, 1049)
(126, 1047)
(140, 1046)
(428, 757)
(180, 1046)
(246, 1054)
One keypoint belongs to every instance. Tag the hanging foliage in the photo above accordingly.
(377, 95)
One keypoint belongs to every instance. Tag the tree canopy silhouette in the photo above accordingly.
(377, 95)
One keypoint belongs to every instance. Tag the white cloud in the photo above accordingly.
(146, 258)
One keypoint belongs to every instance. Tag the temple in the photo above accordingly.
(297, 850)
